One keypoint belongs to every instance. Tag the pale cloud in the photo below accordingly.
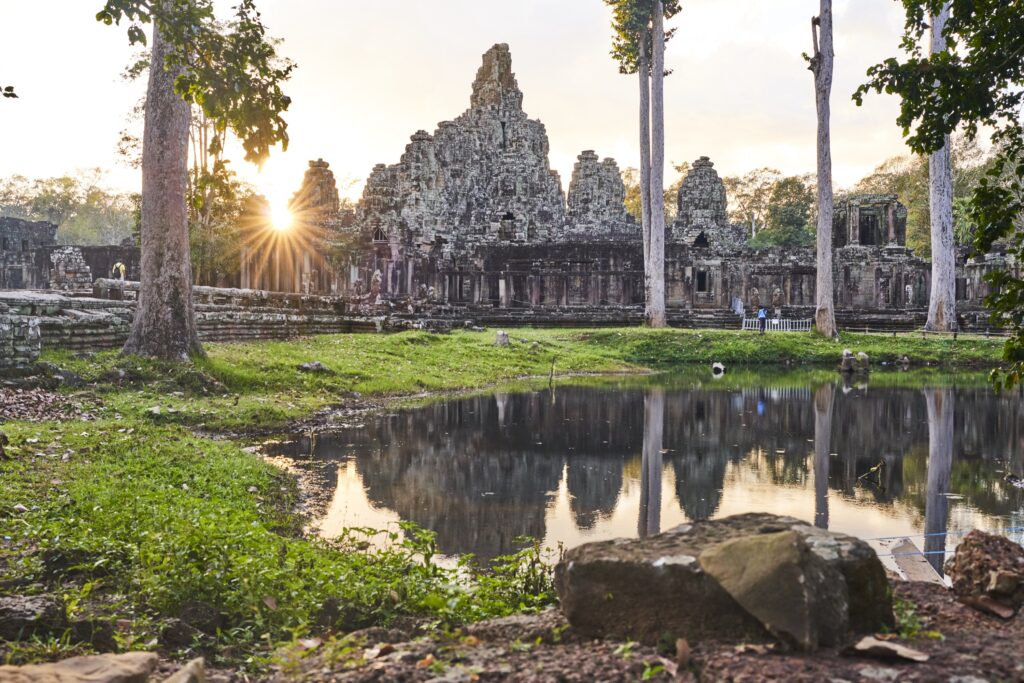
(372, 73)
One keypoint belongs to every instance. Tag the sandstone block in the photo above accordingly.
(742, 578)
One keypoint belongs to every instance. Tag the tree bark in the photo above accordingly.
(940, 464)
(164, 325)
(824, 398)
(942, 303)
(822, 66)
(651, 466)
(656, 303)
(644, 71)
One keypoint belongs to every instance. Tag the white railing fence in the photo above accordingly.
(778, 325)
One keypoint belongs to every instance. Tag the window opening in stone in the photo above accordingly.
(869, 229)
(702, 281)
(701, 241)
(24, 245)
(504, 135)
(6, 245)
(379, 236)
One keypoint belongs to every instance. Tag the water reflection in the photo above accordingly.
(600, 462)
(939, 403)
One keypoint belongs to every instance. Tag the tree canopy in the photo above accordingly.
(978, 85)
(233, 75)
(85, 212)
(631, 19)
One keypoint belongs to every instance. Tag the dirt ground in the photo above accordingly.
(972, 647)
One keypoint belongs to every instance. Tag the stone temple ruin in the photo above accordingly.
(473, 221)
(30, 258)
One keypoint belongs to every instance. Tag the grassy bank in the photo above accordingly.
(258, 385)
(130, 523)
(130, 517)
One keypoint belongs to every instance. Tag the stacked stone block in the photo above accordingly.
(20, 341)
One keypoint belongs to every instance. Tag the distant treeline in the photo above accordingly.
(780, 210)
(85, 212)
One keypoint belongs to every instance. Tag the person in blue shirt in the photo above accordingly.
(762, 319)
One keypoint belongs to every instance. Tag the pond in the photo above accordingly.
(591, 459)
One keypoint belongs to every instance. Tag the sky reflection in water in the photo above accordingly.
(632, 456)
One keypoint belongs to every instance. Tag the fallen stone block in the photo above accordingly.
(746, 578)
(133, 667)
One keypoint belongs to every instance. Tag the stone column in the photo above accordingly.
(854, 217)
(890, 215)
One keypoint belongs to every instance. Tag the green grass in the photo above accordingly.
(155, 514)
(159, 516)
(257, 386)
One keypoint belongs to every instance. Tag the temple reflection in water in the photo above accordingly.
(572, 464)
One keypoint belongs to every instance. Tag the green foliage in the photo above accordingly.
(233, 72)
(909, 625)
(789, 215)
(907, 177)
(85, 212)
(163, 517)
(975, 85)
(631, 23)
(250, 385)
(750, 197)
(631, 180)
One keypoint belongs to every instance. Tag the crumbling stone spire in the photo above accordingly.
(495, 84)
(319, 191)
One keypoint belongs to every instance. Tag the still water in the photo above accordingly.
(571, 463)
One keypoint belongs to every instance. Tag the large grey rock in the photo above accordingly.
(799, 597)
(22, 616)
(742, 578)
(133, 667)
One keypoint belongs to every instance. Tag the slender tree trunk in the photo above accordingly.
(942, 303)
(164, 324)
(644, 71)
(940, 464)
(821, 65)
(656, 304)
(824, 398)
(650, 471)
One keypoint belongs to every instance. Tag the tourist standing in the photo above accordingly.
(762, 319)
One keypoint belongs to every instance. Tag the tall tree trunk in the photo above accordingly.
(821, 65)
(940, 464)
(164, 324)
(942, 303)
(656, 304)
(644, 71)
(824, 398)
(651, 465)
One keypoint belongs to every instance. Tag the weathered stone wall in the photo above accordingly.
(19, 239)
(482, 178)
(103, 322)
(20, 341)
(703, 219)
(597, 202)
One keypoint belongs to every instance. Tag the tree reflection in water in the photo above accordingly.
(940, 463)
(594, 462)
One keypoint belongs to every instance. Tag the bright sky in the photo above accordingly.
(372, 73)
